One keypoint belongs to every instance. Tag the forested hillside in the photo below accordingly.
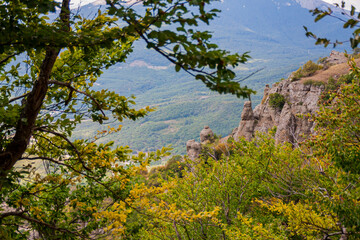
(273, 34)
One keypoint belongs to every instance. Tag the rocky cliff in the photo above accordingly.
(290, 118)
(287, 104)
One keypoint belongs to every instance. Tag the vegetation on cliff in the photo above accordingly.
(277, 101)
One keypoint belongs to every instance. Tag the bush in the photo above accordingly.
(308, 69)
(322, 60)
(313, 83)
(173, 168)
(346, 79)
(276, 101)
(333, 85)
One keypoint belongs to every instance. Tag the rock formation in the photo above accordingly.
(193, 149)
(336, 58)
(298, 99)
(247, 123)
(291, 121)
(206, 135)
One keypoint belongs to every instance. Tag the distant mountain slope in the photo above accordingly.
(309, 4)
(272, 30)
(280, 21)
(312, 4)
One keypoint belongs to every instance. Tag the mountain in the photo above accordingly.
(308, 4)
(312, 4)
(271, 30)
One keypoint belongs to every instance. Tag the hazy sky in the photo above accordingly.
(356, 3)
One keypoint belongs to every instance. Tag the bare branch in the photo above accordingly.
(19, 97)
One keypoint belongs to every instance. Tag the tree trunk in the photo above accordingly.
(34, 101)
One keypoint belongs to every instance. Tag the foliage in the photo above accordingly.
(276, 101)
(308, 69)
(313, 83)
(340, 118)
(49, 65)
(332, 86)
(322, 60)
(173, 168)
(351, 20)
(211, 201)
(261, 191)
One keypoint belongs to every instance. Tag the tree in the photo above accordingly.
(48, 68)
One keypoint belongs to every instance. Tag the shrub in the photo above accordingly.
(322, 60)
(333, 85)
(308, 69)
(276, 101)
(313, 83)
(173, 168)
(347, 79)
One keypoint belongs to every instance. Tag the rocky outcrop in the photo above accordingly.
(287, 105)
(247, 123)
(206, 135)
(193, 149)
(336, 58)
(291, 120)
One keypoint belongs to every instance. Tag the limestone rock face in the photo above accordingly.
(206, 135)
(336, 58)
(193, 149)
(247, 124)
(300, 100)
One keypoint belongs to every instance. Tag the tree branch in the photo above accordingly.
(33, 220)
(7, 58)
(44, 129)
(18, 97)
(68, 85)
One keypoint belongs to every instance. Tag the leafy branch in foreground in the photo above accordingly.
(351, 19)
(187, 48)
(51, 184)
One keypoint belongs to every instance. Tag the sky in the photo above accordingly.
(356, 3)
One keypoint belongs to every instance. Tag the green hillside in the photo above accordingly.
(274, 38)
(183, 106)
